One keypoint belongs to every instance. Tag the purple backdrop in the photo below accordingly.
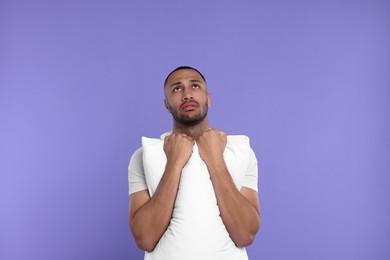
(308, 81)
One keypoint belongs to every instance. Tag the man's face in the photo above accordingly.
(186, 97)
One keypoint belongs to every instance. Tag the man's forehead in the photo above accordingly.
(184, 74)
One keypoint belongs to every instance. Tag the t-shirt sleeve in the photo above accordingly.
(136, 174)
(250, 177)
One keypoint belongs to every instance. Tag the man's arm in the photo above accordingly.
(149, 216)
(240, 210)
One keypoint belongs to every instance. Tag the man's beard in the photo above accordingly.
(190, 120)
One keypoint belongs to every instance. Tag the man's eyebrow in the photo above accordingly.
(179, 82)
(175, 84)
(195, 80)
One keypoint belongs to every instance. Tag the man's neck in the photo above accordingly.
(193, 131)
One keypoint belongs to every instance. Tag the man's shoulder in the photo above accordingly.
(137, 155)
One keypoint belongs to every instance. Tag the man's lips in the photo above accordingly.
(189, 106)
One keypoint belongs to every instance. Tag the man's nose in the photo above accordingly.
(187, 94)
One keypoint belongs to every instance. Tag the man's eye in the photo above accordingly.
(195, 86)
(176, 89)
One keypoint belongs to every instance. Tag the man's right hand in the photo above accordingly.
(178, 148)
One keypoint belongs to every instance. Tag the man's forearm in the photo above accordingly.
(240, 216)
(151, 220)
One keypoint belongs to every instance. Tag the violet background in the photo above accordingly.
(308, 81)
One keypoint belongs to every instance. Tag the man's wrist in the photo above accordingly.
(173, 167)
(216, 165)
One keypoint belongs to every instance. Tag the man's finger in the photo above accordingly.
(222, 133)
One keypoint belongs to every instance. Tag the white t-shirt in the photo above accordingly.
(196, 230)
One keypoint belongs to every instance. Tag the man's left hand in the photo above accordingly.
(211, 144)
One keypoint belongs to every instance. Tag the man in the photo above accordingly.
(193, 192)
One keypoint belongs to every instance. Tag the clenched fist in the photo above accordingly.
(211, 144)
(178, 148)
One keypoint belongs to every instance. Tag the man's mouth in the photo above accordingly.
(189, 106)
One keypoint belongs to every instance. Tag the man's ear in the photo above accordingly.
(209, 100)
(166, 105)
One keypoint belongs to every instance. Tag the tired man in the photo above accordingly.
(193, 191)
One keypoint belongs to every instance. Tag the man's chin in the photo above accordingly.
(190, 121)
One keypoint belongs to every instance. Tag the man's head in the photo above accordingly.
(183, 68)
(186, 96)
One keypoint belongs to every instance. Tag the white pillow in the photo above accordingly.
(196, 230)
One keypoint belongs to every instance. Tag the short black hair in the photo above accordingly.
(183, 68)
